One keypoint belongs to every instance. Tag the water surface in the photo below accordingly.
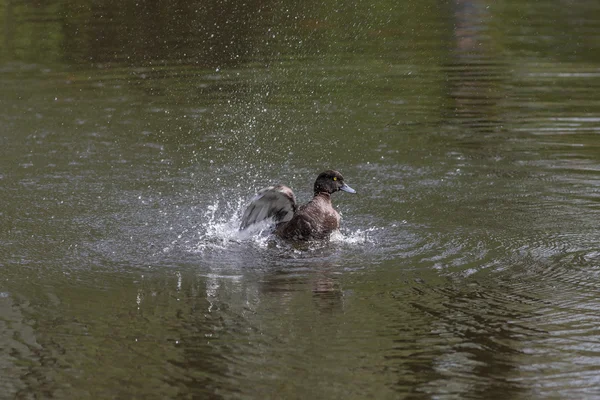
(133, 134)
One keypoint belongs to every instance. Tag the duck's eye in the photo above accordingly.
(335, 178)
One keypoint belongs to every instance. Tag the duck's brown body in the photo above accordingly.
(313, 221)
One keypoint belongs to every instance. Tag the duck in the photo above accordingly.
(315, 220)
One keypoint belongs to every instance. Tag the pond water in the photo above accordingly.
(132, 134)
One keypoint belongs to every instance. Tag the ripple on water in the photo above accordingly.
(472, 331)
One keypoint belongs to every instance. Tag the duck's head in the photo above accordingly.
(331, 181)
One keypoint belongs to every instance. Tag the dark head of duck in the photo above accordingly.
(331, 181)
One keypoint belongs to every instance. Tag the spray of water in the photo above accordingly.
(219, 230)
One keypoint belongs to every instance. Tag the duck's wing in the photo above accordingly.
(276, 202)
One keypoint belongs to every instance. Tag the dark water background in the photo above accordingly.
(133, 132)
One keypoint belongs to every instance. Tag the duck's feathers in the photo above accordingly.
(276, 202)
(314, 220)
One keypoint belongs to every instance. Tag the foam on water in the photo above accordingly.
(358, 236)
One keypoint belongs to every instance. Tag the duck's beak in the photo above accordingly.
(347, 188)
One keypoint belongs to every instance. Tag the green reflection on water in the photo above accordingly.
(468, 128)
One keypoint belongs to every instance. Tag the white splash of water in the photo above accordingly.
(358, 236)
(220, 227)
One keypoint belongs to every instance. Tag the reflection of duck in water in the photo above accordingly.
(314, 220)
